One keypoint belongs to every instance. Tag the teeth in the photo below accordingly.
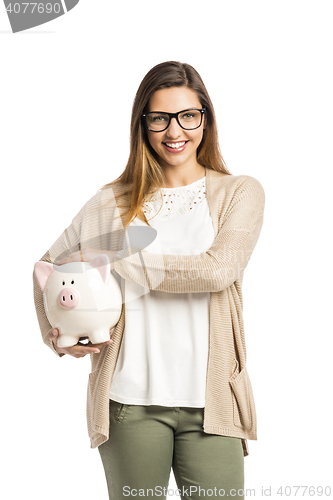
(175, 145)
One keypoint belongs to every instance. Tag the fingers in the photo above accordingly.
(54, 333)
(96, 347)
(79, 350)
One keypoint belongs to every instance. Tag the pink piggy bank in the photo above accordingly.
(80, 299)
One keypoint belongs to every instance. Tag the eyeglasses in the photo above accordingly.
(188, 119)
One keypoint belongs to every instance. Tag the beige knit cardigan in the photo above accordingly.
(236, 205)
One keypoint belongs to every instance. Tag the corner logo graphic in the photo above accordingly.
(25, 15)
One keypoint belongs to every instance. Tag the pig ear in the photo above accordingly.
(42, 271)
(102, 264)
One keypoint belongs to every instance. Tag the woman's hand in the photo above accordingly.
(79, 350)
(86, 255)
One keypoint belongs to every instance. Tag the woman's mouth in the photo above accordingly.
(175, 147)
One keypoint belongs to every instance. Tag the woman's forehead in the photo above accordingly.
(173, 99)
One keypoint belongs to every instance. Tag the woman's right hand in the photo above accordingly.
(78, 350)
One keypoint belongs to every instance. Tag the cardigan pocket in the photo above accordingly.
(242, 398)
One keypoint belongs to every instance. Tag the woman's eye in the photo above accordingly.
(63, 283)
(187, 116)
(158, 118)
(72, 282)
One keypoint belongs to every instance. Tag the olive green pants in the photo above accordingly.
(145, 442)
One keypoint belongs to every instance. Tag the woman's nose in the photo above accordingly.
(174, 130)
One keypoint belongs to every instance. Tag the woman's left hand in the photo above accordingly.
(86, 255)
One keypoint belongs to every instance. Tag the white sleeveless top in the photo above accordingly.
(164, 351)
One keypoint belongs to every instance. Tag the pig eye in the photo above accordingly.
(63, 283)
(72, 282)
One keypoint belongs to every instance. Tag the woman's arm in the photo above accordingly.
(67, 243)
(210, 271)
(63, 243)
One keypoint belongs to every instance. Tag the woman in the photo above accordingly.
(172, 389)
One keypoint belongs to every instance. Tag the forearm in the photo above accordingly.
(210, 271)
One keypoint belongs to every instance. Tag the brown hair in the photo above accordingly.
(143, 174)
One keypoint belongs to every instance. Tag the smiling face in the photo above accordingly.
(175, 146)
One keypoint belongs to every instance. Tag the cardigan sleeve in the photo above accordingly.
(67, 243)
(210, 271)
(90, 228)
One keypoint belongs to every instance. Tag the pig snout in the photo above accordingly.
(69, 298)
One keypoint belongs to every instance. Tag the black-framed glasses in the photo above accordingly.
(187, 119)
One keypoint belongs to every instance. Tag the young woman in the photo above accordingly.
(171, 388)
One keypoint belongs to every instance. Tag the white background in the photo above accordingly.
(67, 89)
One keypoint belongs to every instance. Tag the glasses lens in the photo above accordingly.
(157, 121)
(190, 119)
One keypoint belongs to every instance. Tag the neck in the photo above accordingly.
(182, 176)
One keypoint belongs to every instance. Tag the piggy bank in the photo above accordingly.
(81, 299)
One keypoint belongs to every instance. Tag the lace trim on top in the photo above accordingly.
(176, 201)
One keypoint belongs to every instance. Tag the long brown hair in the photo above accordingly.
(143, 174)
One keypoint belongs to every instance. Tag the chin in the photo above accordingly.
(174, 162)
